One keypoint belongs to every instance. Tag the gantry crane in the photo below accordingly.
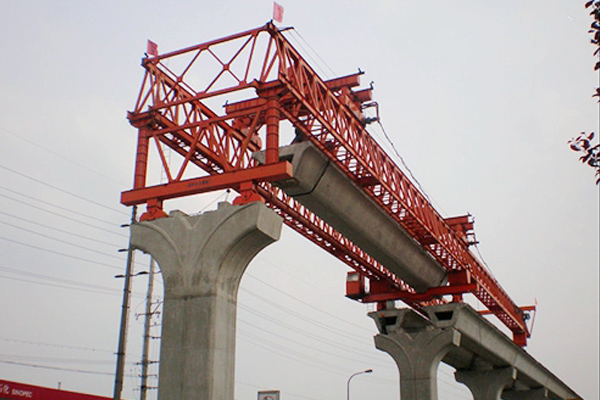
(263, 79)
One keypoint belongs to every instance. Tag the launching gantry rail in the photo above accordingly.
(262, 80)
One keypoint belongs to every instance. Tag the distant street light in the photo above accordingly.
(368, 371)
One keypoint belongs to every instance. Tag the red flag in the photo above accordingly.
(152, 49)
(277, 12)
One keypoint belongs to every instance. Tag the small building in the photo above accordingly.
(22, 391)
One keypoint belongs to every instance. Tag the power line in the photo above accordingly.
(292, 355)
(78, 235)
(61, 241)
(61, 346)
(287, 272)
(64, 216)
(59, 253)
(84, 286)
(57, 368)
(17, 357)
(302, 358)
(294, 329)
(63, 231)
(302, 317)
(353, 351)
(31, 142)
(307, 304)
(59, 286)
(61, 190)
(68, 209)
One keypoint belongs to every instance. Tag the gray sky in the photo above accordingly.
(479, 97)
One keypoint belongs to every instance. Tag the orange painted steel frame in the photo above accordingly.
(328, 113)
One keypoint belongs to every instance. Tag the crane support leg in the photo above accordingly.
(272, 119)
(141, 159)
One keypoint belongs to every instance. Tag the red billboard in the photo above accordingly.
(22, 391)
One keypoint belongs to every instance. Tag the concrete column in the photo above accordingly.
(417, 347)
(532, 394)
(202, 259)
(487, 384)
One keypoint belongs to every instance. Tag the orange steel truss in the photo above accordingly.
(270, 81)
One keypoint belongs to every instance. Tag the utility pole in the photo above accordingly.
(120, 370)
(148, 318)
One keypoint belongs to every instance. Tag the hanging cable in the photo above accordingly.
(295, 31)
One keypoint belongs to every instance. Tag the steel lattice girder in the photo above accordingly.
(171, 112)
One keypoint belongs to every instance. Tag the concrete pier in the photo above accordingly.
(416, 347)
(487, 360)
(202, 259)
(487, 384)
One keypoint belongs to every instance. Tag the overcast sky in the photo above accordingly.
(479, 97)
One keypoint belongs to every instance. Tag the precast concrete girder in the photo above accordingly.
(324, 189)
(486, 342)
(202, 259)
(485, 358)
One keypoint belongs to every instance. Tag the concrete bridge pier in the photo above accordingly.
(487, 384)
(416, 347)
(202, 259)
(487, 361)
